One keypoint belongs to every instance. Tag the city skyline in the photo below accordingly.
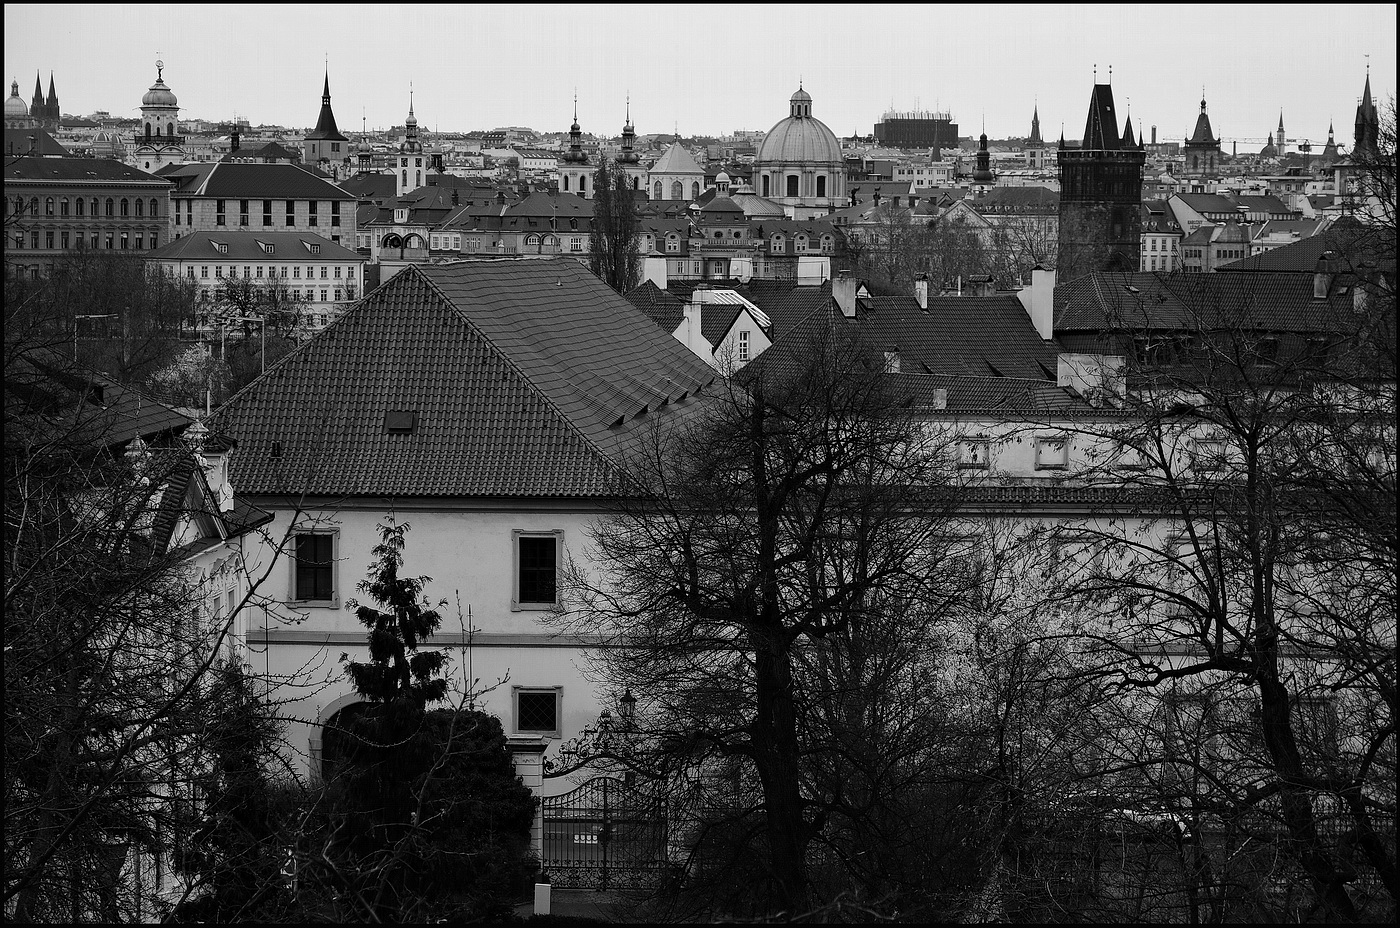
(485, 68)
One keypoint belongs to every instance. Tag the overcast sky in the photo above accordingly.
(479, 67)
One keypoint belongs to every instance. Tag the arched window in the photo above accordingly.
(566, 183)
(126, 207)
(792, 185)
(777, 243)
(636, 182)
(676, 192)
(405, 178)
(694, 189)
(111, 206)
(155, 207)
(765, 185)
(532, 240)
(800, 244)
(79, 203)
(827, 243)
(94, 206)
(583, 183)
(170, 128)
(140, 208)
(63, 206)
(656, 191)
(821, 185)
(148, 130)
(48, 206)
(34, 206)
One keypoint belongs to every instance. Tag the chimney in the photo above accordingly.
(843, 291)
(1154, 135)
(921, 291)
(693, 317)
(1039, 301)
(1323, 274)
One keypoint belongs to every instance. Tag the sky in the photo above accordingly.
(482, 67)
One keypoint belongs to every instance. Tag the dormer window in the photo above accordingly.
(400, 421)
(267, 247)
(220, 247)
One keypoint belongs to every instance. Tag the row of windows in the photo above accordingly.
(94, 206)
(536, 557)
(256, 271)
(792, 187)
(326, 296)
(64, 239)
(1051, 453)
(245, 219)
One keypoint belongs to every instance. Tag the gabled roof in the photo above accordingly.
(526, 377)
(1344, 237)
(1037, 199)
(269, 150)
(249, 246)
(987, 336)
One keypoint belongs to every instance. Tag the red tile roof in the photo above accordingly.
(527, 378)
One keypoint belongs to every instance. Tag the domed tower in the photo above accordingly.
(411, 166)
(16, 113)
(1100, 195)
(982, 174)
(628, 160)
(158, 142)
(364, 154)
(799, 163)
(574, 169)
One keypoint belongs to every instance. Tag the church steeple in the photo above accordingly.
(575, 154)
(629, 135)
(1035, 128)
(1367, 134)
(36, 108)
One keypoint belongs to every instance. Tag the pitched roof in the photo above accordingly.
(249, 246)
(989, 336)
(325, 123)
(93, 170)
(18, 143)
(676, 160)
(1101, 126)
(1345, 236)
(526, 377)
(1121, 301)
(234, 180)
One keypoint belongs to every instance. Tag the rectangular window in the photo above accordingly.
(267, 212)
(536, 569)
(291, 212)
(48, 240)
(324, 272)
(311, 210)
(743, 346)
(350, 273)
(204, 271)
(335, 212)
(65, 241)
(296, 272)
(323, 295)
(313, 567)
(218, 212)
(1051, 453)
(975, 454)
(537, 710)
(258, 271)
(242, 212)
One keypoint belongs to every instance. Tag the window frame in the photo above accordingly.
(1042, 442)
(967, 459)
(334, 601)
(516, 604)
(556, 691)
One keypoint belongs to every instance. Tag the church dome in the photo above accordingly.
(15, 106)
(159, 94)
(800, 138)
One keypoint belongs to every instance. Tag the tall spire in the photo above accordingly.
(53, 96)
(326, 129)
(39, 95)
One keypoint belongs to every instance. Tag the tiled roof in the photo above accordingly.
(370, 186)
(93, 170)
(1120, 301)
(1101, 126)
(660, 306)
(991, 336)
(249, 181)
(526, 377)
(248, 246)
(1345, 236)
(1039, 199)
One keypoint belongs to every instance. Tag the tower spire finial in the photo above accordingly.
(1096, 72)
(1110, 74)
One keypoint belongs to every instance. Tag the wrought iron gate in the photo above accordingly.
(606, 834)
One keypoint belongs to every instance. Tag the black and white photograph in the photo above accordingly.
(635, 464)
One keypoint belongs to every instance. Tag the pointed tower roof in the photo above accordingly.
(1280, 119)
(1035, 138)
(39, 90)
(1203, 134)
(1101, 128)
(53, 94)
(326, 129)
(1128, 140)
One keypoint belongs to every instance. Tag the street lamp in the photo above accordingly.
(627, 706)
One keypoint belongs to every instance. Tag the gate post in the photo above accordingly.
(527, 753)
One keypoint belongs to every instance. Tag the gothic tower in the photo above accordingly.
(1100, 195)
(1368, 124)
(1278, 134)
(325, 147)
(1202, 148)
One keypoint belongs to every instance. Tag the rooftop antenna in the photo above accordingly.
(1110, 74)
(1096, 72)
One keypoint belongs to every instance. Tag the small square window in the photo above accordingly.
(1051, 453)
(537, 710)
(313, 567)
(536, 569)
(400, 421)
